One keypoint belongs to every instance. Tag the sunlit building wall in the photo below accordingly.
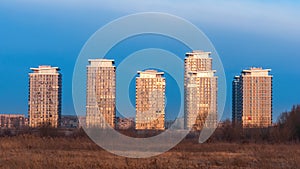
(200, 91)
(101, 94)
(45, 87)
(150, 100)
(254, 98)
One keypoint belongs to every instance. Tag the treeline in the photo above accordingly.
(286, 129)
(44, 132)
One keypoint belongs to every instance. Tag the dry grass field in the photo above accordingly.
(29, 151)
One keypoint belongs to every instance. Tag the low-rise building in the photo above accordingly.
(125, 123)
(69, 121)
(12, 121)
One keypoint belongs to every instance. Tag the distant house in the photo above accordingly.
(69, 121)
(125, 123)
(12, 121)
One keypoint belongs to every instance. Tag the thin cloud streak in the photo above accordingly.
(264, 18)
(248, 16)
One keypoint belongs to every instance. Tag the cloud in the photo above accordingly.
(268, 18)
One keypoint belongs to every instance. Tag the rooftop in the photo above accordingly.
(150, 73)
(45, 69)
(198, 54)
(256, 71)
(101, 62)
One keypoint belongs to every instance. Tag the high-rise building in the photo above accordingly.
(252, 98)
(101, 94)
(150, 100)
(45, 87)
(200, 90)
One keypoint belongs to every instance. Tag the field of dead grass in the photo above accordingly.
(28, 151)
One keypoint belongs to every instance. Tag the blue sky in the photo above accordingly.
(245, 33)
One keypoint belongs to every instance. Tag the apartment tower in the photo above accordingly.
(101, 94)
(150, 100)
(200, 90)
(45, 87)
(252, 98)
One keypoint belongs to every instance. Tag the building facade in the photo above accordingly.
(150, 100)
(236, 101)
(252, 99)
(101, 94)
(45, 87)
(81, 121)
(12, 121)
(200, 90)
